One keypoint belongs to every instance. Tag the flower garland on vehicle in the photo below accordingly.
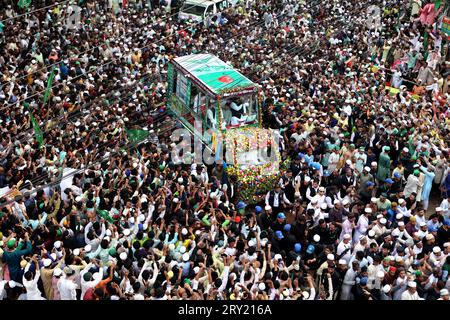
(245, 138)
(234, 90)
(256, 180)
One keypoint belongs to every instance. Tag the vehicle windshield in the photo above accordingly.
(193, 9)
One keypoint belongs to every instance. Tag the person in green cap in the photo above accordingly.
(13, 255)
(384, 165)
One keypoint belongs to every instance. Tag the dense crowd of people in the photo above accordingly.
(360, 213)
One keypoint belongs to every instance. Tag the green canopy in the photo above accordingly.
(213, 74)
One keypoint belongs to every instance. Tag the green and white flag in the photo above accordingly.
(24, 4)
(136, 135)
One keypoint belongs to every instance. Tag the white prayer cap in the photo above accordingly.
(342, 262)
(386, 288)
(371, 233)
(399, 216)
(261, 286)
(374, 164)
(330, 256)
(267, 208)
(443, 292)
(180, 180)
(47, 262)
(57, 272)
(76, 252)
(347, 236)
(380, 274)
(305, 295)
(412, 284)
(123, 256)
(401, 224)
(401, 201)
(171, 246)
(196, 270)
(436, 249)
(367, 169)
(57, 244)
(277, 256)
(88, 248)
(422, 224)
(368, 210)
(182, 249)
(336, 201)
(373, 200)
(126, 232)
(316, 238)
(345, 202)
(323, 206)
(185, 256)
(251, 243)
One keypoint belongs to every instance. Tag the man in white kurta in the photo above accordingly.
(411, 292)
(412, 185)
(33, 292)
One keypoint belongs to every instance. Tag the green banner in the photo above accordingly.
(105, 215)
(49, 85)
(37, 129)
(169, 80)
(24, 3)
(136, 135)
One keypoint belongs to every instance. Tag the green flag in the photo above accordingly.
(136, 135)
(36, 127)
(437, 4)
(24, 3)
(105, 215)
(49, 84)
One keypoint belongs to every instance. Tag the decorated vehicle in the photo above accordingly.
(221, 107)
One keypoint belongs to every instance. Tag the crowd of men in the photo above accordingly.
(362, 107)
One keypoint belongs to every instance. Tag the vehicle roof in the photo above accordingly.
(215, 74)
(202, 2)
